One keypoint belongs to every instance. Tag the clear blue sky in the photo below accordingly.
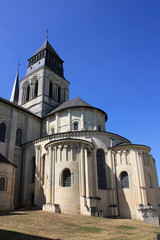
(111, 53)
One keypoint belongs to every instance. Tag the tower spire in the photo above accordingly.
(15, 90)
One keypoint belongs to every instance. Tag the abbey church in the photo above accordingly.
(56, 155)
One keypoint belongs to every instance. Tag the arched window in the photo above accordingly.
(101, 169)
(36, 89)
(50, 89)
(33, 169)
(53, 131)
(124, 180)
(18, 137)
(27, 94)
(2, 184)
(75, 126)
(2, 132)
(66, 178)
(59, 94)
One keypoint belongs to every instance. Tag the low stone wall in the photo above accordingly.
(148, 215)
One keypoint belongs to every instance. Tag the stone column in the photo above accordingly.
(37, 175)
(49, 173)
(82, 119)
(142, 178)
(58, 153)
(90, 174)
(69, 120)
(64, 153)
(136, 176)
(110, 185)
(83, 187)
(87, 173)
(72, 152)
(53, 175)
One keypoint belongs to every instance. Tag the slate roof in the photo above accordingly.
(5, 160)
(76, 102)
(13, 104)
(46, 45)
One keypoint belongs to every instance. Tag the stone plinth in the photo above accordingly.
(48, 207)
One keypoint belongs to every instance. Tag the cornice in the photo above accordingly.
(64, 135)
(68, 140)
(131, 146)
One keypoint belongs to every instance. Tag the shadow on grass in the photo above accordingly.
(8, 235)
(8, 213)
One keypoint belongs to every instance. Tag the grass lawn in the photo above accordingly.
(39, 225)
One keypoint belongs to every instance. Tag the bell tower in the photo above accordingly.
(44, 86)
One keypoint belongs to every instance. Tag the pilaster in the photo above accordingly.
(49, 173)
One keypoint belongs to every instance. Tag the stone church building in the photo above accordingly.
(56, 155)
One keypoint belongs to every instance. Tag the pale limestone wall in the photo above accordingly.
(137, 162)
(6, 197)
(67, 193)
(87, 119)
(42, 103)
(100, 140)
(30, 126)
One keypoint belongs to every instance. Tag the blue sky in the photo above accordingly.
(111, 53)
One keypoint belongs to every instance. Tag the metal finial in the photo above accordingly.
(47, 33)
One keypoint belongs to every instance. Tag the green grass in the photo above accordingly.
(125, 227)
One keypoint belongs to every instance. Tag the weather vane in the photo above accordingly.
(47, 32)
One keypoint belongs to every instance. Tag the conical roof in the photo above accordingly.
(15, 90)
(75, 102)
(46, 45)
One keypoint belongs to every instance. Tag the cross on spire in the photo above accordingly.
(47, 33)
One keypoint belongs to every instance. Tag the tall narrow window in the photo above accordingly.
(2, 132)
(124, 180)
(75, 126)
(99, 127)
(101, 169)
(150, 180)
(33, 169)
(27, 94)
(50, 89)
(59, 94)
(67, 178)
(2, 184)
(36, 89)
(18, 137)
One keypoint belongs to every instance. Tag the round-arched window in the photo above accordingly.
(66, 178)
(124, 180)
(2, 132)
(2, 184)
(75, 126)
(101, 169)
(19, 137)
